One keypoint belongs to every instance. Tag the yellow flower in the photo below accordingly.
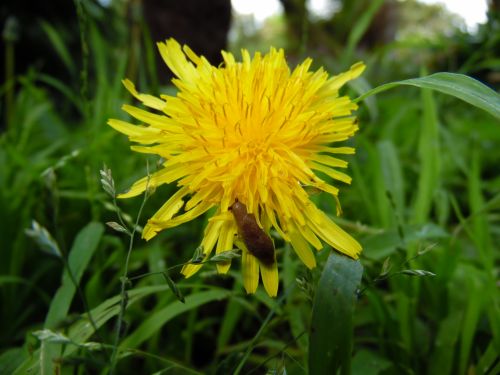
(252, 132)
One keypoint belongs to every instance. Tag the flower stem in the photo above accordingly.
(123, 289)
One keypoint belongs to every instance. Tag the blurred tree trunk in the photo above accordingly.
(297, 21)
(203, 25)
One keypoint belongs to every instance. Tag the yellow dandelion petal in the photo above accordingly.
(331, 172)
(332, 234)
(338, 150)
(174, 57)
(163, 176)
(198, 210)
(310, 237)
(225, 243)
(302, 248)
(156, 150)
(201, 196)
(354, 72)
(250, 272)
(191, 55)
(270, 278)
(148, 100)
(135, 133)
(252, 131)
(272, 218)
(212, 232)
(156, 122)
(330, 161)
(166, 212)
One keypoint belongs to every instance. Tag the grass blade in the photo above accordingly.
(359, 29)
(59, 45)
(429, 155)
(330, 341)
(81, 252)
(152, 324)
(458, 85)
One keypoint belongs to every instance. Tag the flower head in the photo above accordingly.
(247, 138)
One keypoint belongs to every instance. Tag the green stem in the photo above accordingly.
(123, 291)
(259, 333)
(54, 195)
(83, 298)
(282, 350)
(84, 73)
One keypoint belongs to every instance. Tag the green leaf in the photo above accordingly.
(225, 256)
(475, 281)
(390, 181)
(429, 156)
(368, 363)
(153, 323)
(489, 360)
(381, 245)
(55, 38)
(80, 254)
(173, 287)
(11, 359)
(458, 85)
(80, 331)
(360, 28)
(84, 246)
(330, 342)
(230, 320)
(386, 267)
(444, 353)
(174, 368)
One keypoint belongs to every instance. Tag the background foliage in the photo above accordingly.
(424, 201)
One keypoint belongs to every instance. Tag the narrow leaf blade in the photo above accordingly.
(458, 85)
(83, 248)
(330, 341)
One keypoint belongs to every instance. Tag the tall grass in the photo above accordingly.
(424, 201)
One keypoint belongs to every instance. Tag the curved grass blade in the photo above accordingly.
(153, 323)
(458, 85)
(81, 331)
(85, 245)
(330, 341)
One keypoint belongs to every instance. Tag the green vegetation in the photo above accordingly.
(424, 202)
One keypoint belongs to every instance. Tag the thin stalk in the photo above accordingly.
(118, 213)
(259, 333)
(54, 198)
(84, 73)
(282, 350)
(83, 298)
(167, 270)
(123, 291)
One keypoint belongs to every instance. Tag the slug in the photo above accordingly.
(258, 243)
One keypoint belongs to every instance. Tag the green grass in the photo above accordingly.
(424, 201)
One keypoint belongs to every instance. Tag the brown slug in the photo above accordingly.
(258, 243)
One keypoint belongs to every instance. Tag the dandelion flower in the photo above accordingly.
(253, 133)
